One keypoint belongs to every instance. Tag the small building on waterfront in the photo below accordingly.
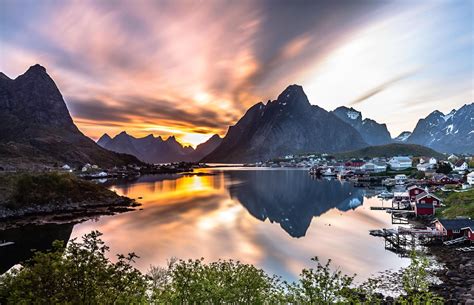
(424, 209)
(470, 178)
(400, 163)
(454, 228)
(428, 198)
(414, 191)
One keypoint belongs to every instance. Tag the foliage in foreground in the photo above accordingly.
(81, 273)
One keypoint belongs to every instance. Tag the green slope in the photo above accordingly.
(390, 150)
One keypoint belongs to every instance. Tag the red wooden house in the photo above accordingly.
(453, 228)
(424, 209)
(414, 191)
(428, 198)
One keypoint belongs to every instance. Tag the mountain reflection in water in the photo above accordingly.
(290, 198)
(222, 214)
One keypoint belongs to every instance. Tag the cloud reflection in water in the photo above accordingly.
(224, 216)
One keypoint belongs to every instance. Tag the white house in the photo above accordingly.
(460, 166)
(66, 167)
(470, 178)
(400, 163)
(423, 167)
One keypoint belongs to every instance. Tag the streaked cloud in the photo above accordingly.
(192, 67)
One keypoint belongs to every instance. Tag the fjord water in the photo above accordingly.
(276, 219)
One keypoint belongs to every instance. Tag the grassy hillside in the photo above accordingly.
(457, 204)
(390, 150)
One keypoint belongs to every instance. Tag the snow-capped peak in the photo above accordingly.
(449, 115)
(352, 114)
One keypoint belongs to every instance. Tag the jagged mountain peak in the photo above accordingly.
(37, 68)
(36, 123)
(403, 136)
(372, 132)
(351, 113)
(293, 95)
(450, 133)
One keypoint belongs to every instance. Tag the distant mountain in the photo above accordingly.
(403, 137)
(287, 125)
(153, 149)
(36, 128)
(450, 133)
(390, 150)
(206, 148)
(372, 132)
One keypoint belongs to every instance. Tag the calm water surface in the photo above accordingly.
(276, 219)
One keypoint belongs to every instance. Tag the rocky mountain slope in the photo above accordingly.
(37, 129)
(287, 125)
(372, 132)
(403, 136)
(450, 133)
(152, 149)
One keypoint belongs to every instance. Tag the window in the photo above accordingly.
(456, 231)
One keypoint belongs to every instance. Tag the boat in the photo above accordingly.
(400, 179)
(385, 195)
(329, 173)
(6, 243)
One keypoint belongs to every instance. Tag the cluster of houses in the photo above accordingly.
(421, 200)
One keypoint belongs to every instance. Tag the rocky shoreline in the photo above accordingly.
(457, 276)
(69, 212)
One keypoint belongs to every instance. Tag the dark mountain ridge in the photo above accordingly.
(287, 125)
(153, 149)
(36, 127)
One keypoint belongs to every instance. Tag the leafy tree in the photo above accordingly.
(444, 168)
(79, 274)
(221, 282)
(321, 286)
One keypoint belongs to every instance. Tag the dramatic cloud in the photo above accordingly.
(194, 67)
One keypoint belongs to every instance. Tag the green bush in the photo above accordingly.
(44, 188)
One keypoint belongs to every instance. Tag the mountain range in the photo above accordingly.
(287, 125)
(37, 129)
(151, 149)
(452, 132)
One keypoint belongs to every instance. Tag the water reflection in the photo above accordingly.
(290, 198)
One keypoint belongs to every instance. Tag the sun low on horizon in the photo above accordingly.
(192, 69)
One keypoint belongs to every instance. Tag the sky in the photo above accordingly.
(192, 68)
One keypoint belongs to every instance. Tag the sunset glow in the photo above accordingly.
(191, 69)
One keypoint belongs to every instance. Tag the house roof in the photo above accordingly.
(411, 187)
(459, 163)
(424, 194)
(401, 159)
(457, 224)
